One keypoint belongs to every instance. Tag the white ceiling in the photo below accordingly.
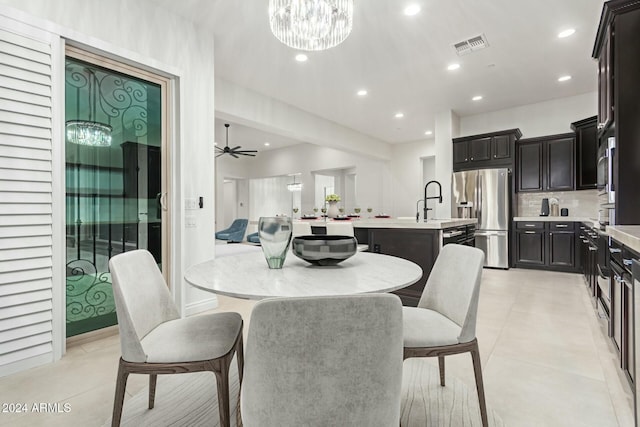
(402, 60)
(249, 138)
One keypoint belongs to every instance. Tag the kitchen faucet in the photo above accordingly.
(439, 197)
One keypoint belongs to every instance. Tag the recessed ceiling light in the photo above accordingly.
(362, 92)
(564, 78)
(452, 67)
(399, 115)
(215, 143)
(266, 144)
(412, 9)
(301, 57)
(566, 33)
(428, 132)
(476, 98)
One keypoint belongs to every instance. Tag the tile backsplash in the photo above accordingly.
(583, 203)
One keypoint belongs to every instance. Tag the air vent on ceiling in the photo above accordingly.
(470, 45)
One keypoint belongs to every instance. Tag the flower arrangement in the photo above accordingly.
(332, 198)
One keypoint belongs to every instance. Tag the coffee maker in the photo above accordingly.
(544, 209)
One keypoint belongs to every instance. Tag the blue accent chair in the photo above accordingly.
(235, 233)
(253, 238)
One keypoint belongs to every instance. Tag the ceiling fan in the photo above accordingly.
(235, 150)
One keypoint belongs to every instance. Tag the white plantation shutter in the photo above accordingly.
(26, 200)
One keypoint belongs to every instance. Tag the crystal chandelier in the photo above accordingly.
(311, 24)
(294, 186)
(82, 132)
(88, 132)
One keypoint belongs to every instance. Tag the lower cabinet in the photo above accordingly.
(419, 246)
(548, 245)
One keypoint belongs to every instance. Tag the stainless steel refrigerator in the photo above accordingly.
(484, 194)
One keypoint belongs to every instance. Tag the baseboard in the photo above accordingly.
(200, 306)
(24, 364)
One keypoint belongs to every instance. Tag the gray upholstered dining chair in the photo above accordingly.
(444, 322)
(324, 361)
(155, 340)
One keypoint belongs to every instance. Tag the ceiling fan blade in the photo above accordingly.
(235, 148)
(246, 151)
(233, 154)
(219, 155)
(220, 149)
(245, 154)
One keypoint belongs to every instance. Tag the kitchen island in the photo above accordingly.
(418, 242)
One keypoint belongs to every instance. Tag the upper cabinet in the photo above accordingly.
(586, 153)
(546, 163)
(484, 151)
(618, 53)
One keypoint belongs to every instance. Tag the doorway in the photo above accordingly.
(116, 178)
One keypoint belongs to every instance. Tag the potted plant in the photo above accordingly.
(333, 200)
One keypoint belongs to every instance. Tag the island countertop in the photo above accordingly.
(432, 224)
(628, 235)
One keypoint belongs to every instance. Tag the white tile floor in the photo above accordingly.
(546, 361)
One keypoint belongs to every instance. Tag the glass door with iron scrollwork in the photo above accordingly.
(114, 182)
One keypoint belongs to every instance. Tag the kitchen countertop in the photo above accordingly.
(557, 219)
(432, 224)
(628, 235)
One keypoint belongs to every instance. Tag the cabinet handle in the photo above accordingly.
(627, 262)
(615, 250)
(600, 125)
(472, 158)
(585, 241)
(561, 226)
(529, 225)
(529, 232)
(593, 248)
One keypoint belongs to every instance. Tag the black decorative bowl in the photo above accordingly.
(322, 249)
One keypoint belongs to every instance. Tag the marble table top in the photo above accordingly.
(248, 276)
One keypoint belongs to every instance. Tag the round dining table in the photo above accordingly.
(247, 276)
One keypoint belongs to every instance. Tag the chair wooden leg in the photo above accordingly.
(475, 356)
(240, 358)
(118, 401)
(441, 367)
(222, 377)
(152, 390)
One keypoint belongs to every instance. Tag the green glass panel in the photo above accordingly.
(112, 192)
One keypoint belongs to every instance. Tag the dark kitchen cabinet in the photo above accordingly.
(501, 147)
(546, 245)
(561, 249)
(618, 53)
(419, 246)
(480, 149)
(560, 163)
(495, 149)
(530, 166)
(546, 163)
(530, 247)
(460, 153)
(586, 153)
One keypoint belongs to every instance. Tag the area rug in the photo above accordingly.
(190, 400)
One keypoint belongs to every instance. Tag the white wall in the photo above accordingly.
(253, 109)
(407, 175)
(305, 159)
(230, 198)
(136, 32)
(543, 118)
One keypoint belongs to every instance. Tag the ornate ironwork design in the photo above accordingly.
(89, 293)
(120, 102)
